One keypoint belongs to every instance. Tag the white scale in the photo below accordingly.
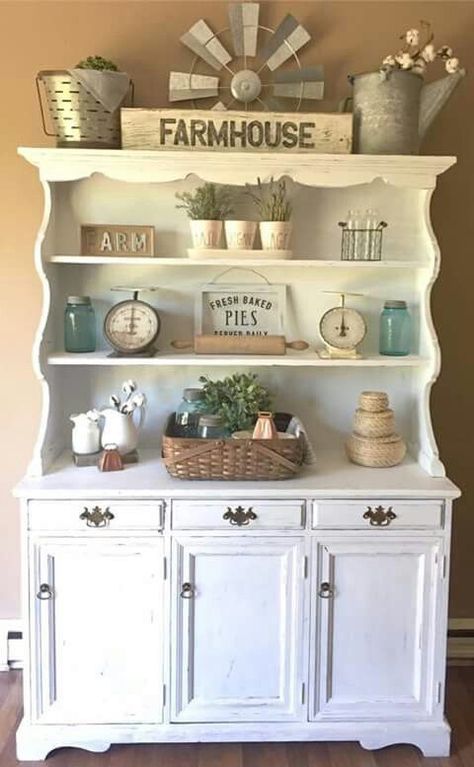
(342, 330)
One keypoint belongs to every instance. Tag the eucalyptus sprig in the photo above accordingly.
(271, 200)
(207, 203)
(98, 63)
(237, 398)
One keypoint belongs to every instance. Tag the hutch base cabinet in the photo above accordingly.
(159, 610)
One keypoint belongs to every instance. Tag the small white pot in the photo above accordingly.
(240, 235)
(206, 234)
(275, 235)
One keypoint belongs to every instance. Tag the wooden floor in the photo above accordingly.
(460, 708)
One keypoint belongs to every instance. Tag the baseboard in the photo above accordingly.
(11, 644)
(461, 641)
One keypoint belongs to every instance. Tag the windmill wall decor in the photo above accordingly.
(247, 57)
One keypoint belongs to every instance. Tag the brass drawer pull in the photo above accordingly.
(96, 517)
(45, 592)
(239, 516)
(326, 591)
(187, 591)
(379, 517)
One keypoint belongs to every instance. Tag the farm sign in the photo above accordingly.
(236, 131)
(117, 240)
(241, 310)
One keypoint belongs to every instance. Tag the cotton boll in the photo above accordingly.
(452, 65)
(404, 60)
(428, 53)
(389, 61)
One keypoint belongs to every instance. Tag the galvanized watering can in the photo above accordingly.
(393, 110)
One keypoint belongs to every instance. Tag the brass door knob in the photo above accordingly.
(45, 592)
(96, 517)
(379, 517)
(187, 591)
(325, 590)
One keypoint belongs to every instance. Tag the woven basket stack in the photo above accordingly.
(374, 441)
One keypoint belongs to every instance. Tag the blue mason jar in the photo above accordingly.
(395, 329)
(79, 325)
(188, 413)
(212, 427)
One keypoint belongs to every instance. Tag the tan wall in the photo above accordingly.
(143, 38)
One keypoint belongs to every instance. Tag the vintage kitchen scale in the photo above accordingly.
(342, 330)
(132, 326)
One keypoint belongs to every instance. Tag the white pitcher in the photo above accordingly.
(85, 433)
(120, 429)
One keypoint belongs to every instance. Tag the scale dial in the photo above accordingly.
(342, 328)
(132, 326)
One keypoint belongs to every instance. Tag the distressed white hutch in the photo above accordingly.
(166, 623)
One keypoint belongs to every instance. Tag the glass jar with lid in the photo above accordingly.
(79, 325)
(212, 427)
(188, 413)
(395, 329)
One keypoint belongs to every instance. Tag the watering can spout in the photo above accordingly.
(434, 96)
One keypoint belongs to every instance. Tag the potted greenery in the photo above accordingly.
(206, 206)
(237, 398)
(275, 212)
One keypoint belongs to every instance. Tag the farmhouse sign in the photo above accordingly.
(117, 240)
(240, 310)
(236, 131)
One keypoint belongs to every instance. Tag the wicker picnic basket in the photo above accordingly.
(231, 459)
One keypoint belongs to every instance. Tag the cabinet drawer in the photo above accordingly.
(237, 514)
(88, 516)
(377, 515)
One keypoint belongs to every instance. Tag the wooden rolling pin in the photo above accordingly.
(209, 344)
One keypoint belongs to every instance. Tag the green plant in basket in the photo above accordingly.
(237, 398)
(271, 200)
(98, 63)
(208, 202)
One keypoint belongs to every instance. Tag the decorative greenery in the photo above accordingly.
(237, 398)
(207, 203)
(98, 63)
(418, 51)
(271, 200)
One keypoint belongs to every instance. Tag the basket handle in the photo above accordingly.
(37, 79)
(195, 451)
(294, 467)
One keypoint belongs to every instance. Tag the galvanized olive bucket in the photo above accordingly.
(386, 110)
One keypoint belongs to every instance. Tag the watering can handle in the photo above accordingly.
(38, 78)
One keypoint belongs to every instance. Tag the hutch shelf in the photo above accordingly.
(166, 623)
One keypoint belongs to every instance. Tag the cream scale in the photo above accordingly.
(342, 330)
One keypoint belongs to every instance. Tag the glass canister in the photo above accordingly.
(188, 413)
(212, 427)
(79, 325)
(395, 329)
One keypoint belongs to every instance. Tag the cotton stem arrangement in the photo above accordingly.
(418, 50)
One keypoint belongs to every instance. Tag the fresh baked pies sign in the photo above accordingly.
(241, 310)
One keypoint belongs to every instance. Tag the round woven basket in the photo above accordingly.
(377, 453)
(369, 424)
(374, 401)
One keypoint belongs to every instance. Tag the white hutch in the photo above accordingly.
(166, 623)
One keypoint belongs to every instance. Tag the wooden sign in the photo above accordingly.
(229, 131)
(117, 240)
(240, 310)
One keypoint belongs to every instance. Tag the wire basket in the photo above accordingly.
(77, 118)
(361, 244)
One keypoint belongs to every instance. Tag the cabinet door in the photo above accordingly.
(237, 628)
(97, 639)
(374, 627)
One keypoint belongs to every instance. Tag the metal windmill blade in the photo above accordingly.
(243, 23)
(287, 39)
(184, 86)
(204, 43)
(305, 83)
